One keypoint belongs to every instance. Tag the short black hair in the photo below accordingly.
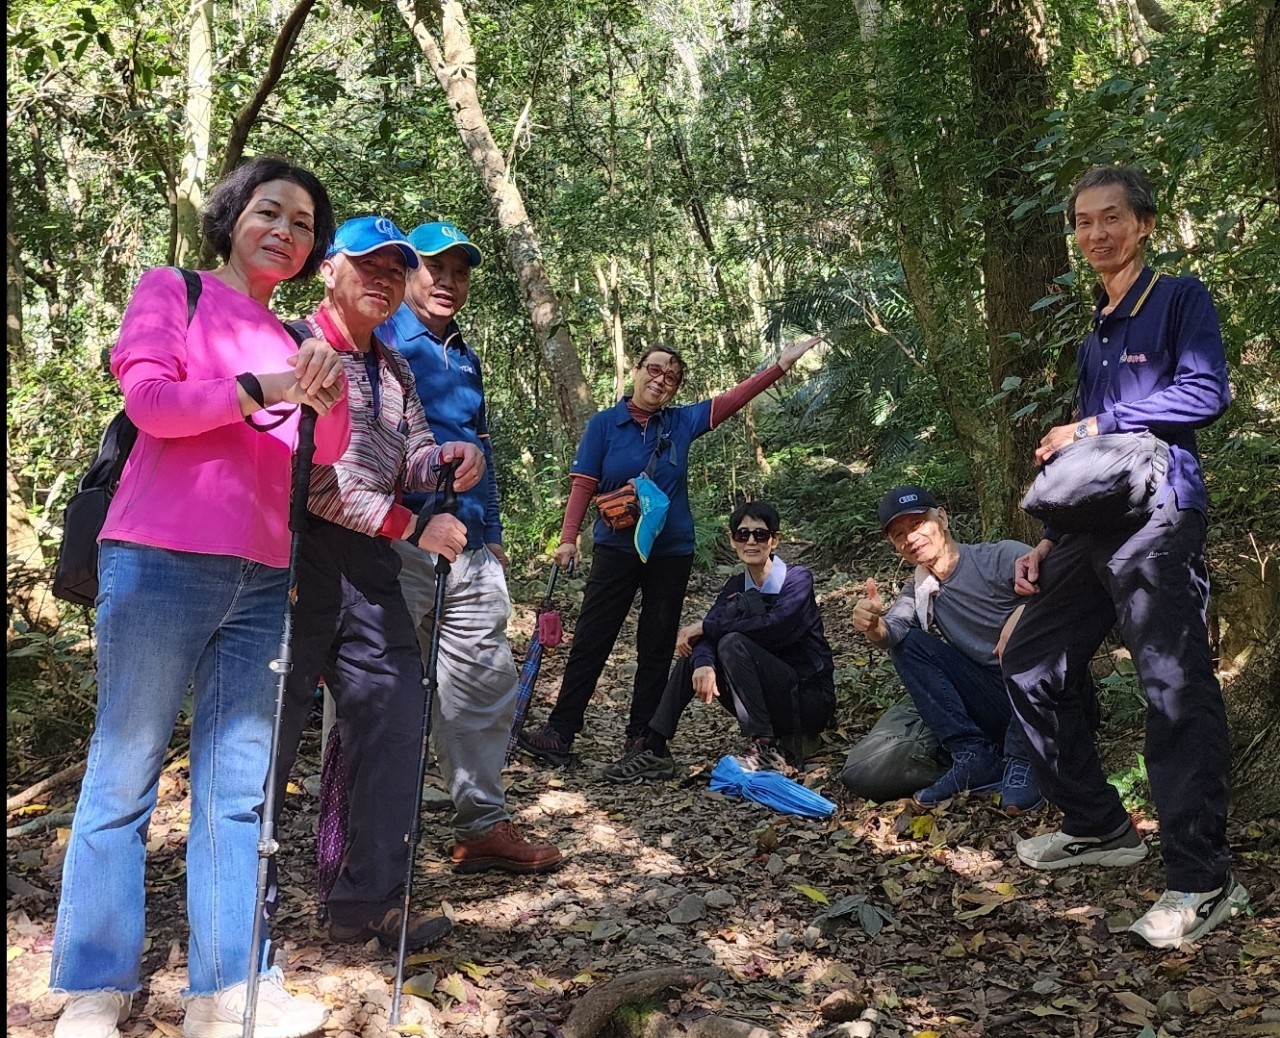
(670, 351)
(1137, 190)
(234, 191)
(760, 511)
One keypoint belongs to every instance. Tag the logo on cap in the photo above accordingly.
(449, 231)
(906, 499)
(384, 226)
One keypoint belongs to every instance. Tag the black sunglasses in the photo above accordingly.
(742, 535)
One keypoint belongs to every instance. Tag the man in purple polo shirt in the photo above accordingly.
(1153, 362)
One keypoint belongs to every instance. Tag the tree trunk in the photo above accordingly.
(1267, 47)
(14, 345)
(1253, 711)
(941, 306)
(196, 133)
(611, 318)
(453, 60)
(1021, 255)
(26, 572)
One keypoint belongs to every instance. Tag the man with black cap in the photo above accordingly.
(478, 679)
(351, 627)
(944, 633)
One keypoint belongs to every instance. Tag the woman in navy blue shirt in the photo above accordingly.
(619, 444)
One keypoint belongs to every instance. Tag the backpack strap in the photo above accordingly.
(194, 287)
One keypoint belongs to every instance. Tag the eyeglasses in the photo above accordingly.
(669, 376)
(742, 535)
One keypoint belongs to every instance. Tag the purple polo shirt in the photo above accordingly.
(1156, 363)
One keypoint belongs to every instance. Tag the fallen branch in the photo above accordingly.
(39, 824)
(33, 793)
(598, 1006)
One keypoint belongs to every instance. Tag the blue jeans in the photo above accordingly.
(168, 620)
(964, 704)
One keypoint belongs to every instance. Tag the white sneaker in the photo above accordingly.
(1061, 850)
(93, 1014)
(1179, 917)
(280, 1014)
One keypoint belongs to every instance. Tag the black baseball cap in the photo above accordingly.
(904, 501)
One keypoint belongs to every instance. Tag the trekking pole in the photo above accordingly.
(280, 666)
(448, 505)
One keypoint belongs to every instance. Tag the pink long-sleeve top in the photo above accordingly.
(200, 478)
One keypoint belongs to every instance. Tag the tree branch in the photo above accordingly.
(242, 124)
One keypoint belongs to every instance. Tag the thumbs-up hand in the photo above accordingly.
(867, 612)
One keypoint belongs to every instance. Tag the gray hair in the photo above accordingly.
(1137, 190)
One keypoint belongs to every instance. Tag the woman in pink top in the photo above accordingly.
(192, 591)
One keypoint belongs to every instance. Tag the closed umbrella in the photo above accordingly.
(770, 788)
(547, 634)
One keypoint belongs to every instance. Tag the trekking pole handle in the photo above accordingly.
(302, 474)
(449, 496)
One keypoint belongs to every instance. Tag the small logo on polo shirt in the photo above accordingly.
(1133, 358)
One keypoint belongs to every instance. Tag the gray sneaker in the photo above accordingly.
(1059, 850)
(640, 766)
(279, 1014)
(93, 1014)
(1179, 917)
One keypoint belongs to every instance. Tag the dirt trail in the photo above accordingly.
(926, 919)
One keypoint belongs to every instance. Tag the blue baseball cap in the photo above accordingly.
(431, 239)
(365, 234)
(904, 501)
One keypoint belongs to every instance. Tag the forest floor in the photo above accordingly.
(932, 923)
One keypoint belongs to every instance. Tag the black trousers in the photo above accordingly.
(616, 576)
(763, 692)
(1152, 583)
(352, 628)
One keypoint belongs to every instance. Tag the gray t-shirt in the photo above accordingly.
(971, 605)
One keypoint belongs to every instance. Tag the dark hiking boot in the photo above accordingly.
(424, 930)
(547, 744)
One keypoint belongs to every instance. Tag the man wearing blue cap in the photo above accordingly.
(351, 627)
(944, 633)
(477, 676)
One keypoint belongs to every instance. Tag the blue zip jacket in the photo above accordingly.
(790, 628)
(447, 376)
(1156, 363)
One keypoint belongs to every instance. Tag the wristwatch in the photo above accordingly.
(1082, 429)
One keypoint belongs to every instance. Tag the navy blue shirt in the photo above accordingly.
(447, 376)
(790, 628)
(614, 448)
(1156, 363)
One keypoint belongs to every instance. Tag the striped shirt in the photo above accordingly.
(392, 448)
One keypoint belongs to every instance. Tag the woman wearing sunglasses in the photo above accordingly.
(641, 433)
(760, 651)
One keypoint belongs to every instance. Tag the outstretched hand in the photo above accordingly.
(793, 351)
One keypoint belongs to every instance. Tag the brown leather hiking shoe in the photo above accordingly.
(424, 930)
(504, 847)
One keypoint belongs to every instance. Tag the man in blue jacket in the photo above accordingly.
(1153, 362)
(760, 651)
(477, 675)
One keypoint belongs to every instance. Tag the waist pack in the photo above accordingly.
(75, 575)
(619, 509)
(1099, 483)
